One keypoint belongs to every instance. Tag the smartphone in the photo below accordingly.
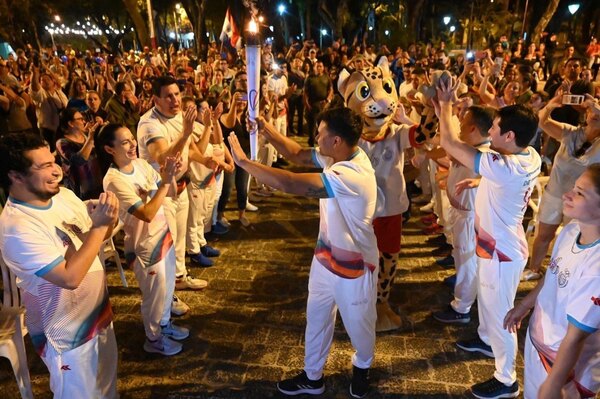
(470, 57)
(572, 99)
(244, 97)
(499, 61)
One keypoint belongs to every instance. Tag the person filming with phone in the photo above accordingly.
(579, 148)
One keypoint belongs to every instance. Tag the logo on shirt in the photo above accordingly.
(495, 157)
(563, 278)
(152, 273)
(596, 301)
(64, 237)
(553, 266)
(65, 367)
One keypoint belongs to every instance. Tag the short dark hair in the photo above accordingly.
(482, 118)
(519, 119)
(119, 87)
(12, 154)
(574, 59)
(582, 87)
(343, 122)
(161, 82)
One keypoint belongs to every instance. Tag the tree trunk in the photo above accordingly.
(544, 20)
(138, 21)
(325, 15)
(415, 14)
(196, 11)
(342, 12)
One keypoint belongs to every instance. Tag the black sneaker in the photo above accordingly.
(494, 389)
(451, 316)
(300, 384)
(476, 345)
(360, 382)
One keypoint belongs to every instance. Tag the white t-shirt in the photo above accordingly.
(347, 246)
(202, 176)
(457, 173)
(146, 242)
(387, 158)
(566, 168)
(570, 295)
(33, 241)
(279, 86)
(153, 126)
(506, 185)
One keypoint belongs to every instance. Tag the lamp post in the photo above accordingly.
(177, 35)
(281, 10)
(323, 32)
(572, 9)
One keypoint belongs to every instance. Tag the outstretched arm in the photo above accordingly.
(307, 184)
(285, 146)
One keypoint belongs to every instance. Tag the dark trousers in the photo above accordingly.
(240, 178)
(295, 105)
(311, 121)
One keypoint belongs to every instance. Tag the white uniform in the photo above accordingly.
(565, 170)
(343, 272)
(201, 192)
(70, 329)
(462, 214)
(153, 126)
(569, 297)
(148, 246)
(506, 185)
(279, 86)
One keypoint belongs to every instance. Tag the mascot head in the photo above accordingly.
(372, 94)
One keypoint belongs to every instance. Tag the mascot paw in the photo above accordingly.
(387, 319)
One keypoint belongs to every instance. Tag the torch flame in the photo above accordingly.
(253, 26)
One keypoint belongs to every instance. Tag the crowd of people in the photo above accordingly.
(157, 141)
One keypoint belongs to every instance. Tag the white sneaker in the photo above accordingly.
(190, 283)
(251, 208)
(529, 275)
(174, 332)
(163, 345)
(178, 307)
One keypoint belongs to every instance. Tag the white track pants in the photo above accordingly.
(355, 299)
(202, 202)
(498, 283)
(88, 371)
(463, 251)
(176, 212)
(156, 298)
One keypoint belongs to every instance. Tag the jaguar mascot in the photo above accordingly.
(371, 92)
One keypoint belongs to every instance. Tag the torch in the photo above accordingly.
(253, 72)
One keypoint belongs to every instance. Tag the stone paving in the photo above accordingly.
(248, 325)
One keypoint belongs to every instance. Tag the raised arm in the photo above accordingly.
(449, 132)
(170, 169)
(287, 147)
(306, 184)
(159, 149)
(551, 127)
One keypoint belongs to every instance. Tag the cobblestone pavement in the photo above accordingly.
(248, 325)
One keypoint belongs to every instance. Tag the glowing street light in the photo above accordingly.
(324, 32)
(261, 19)
(452, 28)
(387, 32)
(57, 17)
(281, 9)
(446, 20)
(573, 8)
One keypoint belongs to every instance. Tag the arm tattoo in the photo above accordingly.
(317, 192)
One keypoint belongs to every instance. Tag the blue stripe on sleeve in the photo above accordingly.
(46, 269)
(581, 326)
(314, 157)
(135, 206)
(477, 161)
(330, 193)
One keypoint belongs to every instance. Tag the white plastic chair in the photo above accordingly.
(12, 331)
(108, 250)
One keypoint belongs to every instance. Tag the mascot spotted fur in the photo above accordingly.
(371, 92)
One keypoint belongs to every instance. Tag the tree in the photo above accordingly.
(138, 21)
(544, 20)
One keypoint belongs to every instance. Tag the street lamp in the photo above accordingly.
(57, 17)
(387, 32)
(446, 20)
(281, 9)
(573, 8)
(452, 28)
(323, 33)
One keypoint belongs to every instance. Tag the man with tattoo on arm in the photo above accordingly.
(343, 272)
